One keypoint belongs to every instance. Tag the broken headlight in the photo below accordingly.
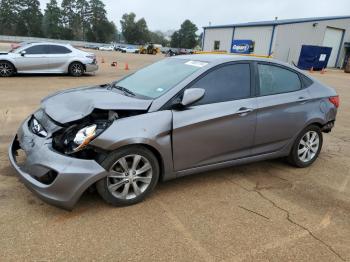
(84, 136)
(78, 136)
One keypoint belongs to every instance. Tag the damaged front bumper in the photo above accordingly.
(56, 178)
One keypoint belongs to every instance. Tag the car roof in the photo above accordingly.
(223, 58)
(48, 43)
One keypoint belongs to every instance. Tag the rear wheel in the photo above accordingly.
(133, 174)
(76, 69)
(306, 147)
(6, 69)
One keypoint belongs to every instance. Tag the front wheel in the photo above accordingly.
(6, 69)
(76, 69)
(306, 147)
(133, 174)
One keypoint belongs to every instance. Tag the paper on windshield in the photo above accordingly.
(196, 63)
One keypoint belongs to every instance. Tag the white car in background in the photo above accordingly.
(47, 58)
(130, 49)
(106, 48)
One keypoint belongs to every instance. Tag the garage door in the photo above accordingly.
(332, 38)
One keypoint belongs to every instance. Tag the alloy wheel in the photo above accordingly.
(308, 146)
(129, 177)
(6, 69)
(77, 69)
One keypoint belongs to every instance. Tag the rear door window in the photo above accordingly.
(56, 49)
(276, 80)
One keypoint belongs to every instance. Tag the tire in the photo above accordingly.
(307, 147)
(76, 69)
(6, 69)
(118, 188)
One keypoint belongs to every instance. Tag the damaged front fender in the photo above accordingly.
(152, 129)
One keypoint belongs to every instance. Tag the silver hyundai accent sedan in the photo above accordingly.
(47, 58)
(176, 117)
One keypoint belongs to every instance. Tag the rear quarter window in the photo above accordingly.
(306, 81)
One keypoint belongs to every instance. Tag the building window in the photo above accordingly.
(216, 45)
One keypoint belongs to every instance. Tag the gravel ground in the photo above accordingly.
(267, 211)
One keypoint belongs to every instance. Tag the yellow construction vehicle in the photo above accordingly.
(150, 49)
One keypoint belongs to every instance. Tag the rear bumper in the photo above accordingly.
(91, 68)
(72, 176)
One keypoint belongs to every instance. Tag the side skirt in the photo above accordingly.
(230, 163)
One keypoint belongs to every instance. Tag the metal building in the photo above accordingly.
(283, 39)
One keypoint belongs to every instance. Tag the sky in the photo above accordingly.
(168, 15)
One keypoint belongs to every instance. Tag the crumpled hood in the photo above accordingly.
(74, 104)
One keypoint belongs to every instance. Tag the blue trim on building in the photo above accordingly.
(272, 36)
(280, 22)
(203, 38)
(340, 48)
(233, 37)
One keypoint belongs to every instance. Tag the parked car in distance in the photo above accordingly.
(179, 116)
(118, 47)
(130, 49)
(106, 48)
(47, 58)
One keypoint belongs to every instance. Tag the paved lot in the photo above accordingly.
(266, 211)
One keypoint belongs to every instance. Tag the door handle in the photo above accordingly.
(302, 99)
(244, 110)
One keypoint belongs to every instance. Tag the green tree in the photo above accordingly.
(186, 37)
(8, 17)
(29, 18)
(101, 30)
(52, 21)
(175, 40)
(142, 32)
(68, 18)
(128, 27)
(158, 37)
(134, 32)
(82, 18)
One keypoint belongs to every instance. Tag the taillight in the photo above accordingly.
(334, 100)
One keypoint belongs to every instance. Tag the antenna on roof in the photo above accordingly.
(209, 23)
(276, 18)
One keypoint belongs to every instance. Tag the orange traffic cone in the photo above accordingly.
(102, 60)
(126, 66)
(312, 69)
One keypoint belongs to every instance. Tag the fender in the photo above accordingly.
(152, 129)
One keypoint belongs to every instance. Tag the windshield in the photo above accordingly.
(156, 79)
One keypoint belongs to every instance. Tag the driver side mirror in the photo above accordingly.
(191, 96)
(23, 53)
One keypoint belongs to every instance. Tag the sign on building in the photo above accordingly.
(242, 46)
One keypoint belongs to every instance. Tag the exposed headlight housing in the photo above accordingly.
(84, 136)
(37, 128)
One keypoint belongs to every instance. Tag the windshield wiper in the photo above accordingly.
(125, 90)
